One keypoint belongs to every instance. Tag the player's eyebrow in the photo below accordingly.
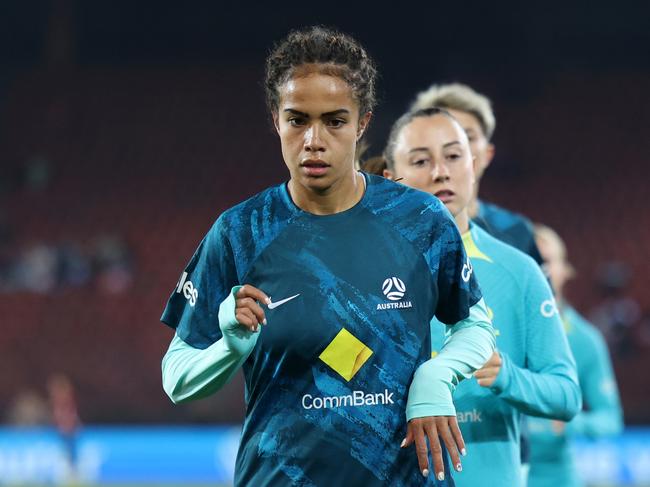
(419, 149)
(340, 111)
(451, 143)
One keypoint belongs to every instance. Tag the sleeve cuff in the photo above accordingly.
(503, 377)
(237, 338)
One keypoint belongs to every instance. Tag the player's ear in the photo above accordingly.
(363, 124)
(489, 154)
(276, 122)
(388, 174)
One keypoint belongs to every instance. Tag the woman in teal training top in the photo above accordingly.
(551, 459)
(532, 372)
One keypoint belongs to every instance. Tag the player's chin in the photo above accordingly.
(317, 184)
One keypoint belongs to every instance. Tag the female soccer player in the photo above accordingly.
(343, 357)
(474, 112)
(533, 371)
(551, 460)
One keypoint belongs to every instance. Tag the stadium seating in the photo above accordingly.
(154, 156)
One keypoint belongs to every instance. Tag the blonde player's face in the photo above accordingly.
(432, 154)
(318, 123)
(481, 148)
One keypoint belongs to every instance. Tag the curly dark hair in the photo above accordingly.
(319, 45)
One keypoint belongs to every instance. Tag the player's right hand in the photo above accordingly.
(248, 311)
(431, 428)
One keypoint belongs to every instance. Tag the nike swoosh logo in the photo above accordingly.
(281, 302)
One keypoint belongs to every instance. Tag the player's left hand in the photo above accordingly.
(487, 374)
(433, 428)
(558, 427)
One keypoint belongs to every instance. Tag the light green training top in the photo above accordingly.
(551, 461)
(538, 373)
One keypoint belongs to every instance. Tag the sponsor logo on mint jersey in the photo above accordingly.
(187, 289)
(548, 308)
(473, 416)
(466, 273)
(356, 399)
(394, 289)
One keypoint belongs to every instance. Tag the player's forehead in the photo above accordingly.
(467, 120)
(316, 93)
(431, 133)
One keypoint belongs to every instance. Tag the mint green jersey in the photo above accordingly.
(538, 374)
(551, 460)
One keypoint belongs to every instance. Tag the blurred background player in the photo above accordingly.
(533, 371)
(551, 460)
(334, 330)
(474, 113)
(65, 417)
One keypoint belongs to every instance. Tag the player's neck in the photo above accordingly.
(462, 221)
(472, 208)
(340, 197)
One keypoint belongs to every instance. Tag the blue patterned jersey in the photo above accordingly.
(509, 227)
(327, 382)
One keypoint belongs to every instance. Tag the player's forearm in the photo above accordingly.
(598, 423)
(550, 393)
(469, 345)
(191, 373)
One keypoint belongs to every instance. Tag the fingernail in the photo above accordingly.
(441, 476)
(459, 467)
(264, 321)
(268, 301)
(463, 452)
(425, 472)
(403, 443)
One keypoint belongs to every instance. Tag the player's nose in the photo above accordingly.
(313, 139)
(439, 172)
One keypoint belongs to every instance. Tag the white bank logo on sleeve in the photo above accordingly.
(187, 288)
(394, 289)
(548, 308)
(466, 273)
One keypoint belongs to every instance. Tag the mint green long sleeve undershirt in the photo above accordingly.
(191, 373)
(468, 345)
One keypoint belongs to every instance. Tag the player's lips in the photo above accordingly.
(314, 167)
(445, 195)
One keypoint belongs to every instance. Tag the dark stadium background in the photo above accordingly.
(126, 128)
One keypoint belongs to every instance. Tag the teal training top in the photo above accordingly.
(538, 373)
(327, 379)
(551, 462)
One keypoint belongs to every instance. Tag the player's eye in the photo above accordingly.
(453, 156)
(296, 121)
(336, 122)
(419, 162)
